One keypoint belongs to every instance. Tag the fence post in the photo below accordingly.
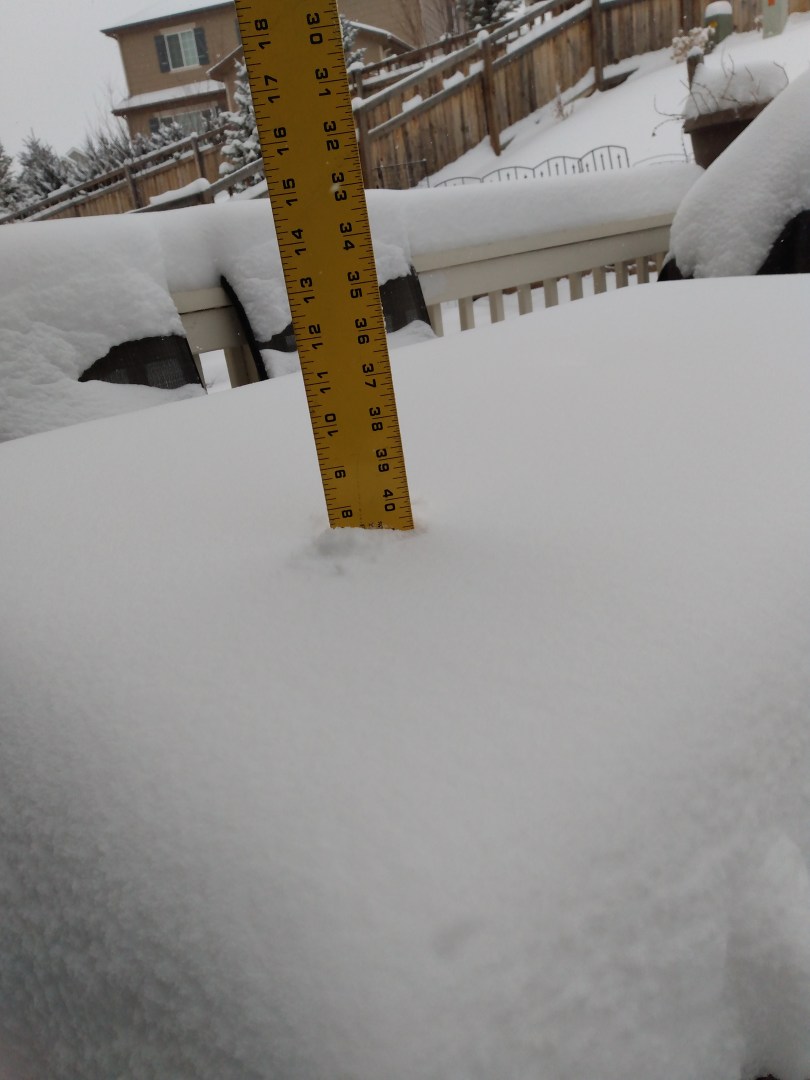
(597, 48)
(490, 104)
(195, 146)
(361, 121)
(133, 188)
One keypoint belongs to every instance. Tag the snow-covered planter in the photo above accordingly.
(724, 100)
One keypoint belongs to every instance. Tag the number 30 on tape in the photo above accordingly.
(296, 68)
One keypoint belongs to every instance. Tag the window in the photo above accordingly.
(194, 122)
(181, 49)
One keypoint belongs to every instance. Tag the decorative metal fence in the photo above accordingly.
(601, 159)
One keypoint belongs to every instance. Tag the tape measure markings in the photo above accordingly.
(324, 332)
(341, 338)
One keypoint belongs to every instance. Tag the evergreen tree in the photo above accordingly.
(42, 171)
(481, 13)
(9, 188)
(351, 52)
(241, 145)
(167, 134)
(102, 151)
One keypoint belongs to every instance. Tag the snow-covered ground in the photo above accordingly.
(642, 115)
(521, 794)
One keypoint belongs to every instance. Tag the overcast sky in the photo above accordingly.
(57, 70)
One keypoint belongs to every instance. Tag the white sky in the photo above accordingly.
(57, 70)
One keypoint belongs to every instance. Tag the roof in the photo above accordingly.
(160, 10)
(171, 93)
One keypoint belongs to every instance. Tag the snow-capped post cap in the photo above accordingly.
(482, 35)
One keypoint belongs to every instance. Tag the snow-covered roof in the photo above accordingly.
(728, 221)
(166, 9)
(520, 794)
(170, 94)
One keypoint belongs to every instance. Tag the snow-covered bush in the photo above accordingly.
(699, 37)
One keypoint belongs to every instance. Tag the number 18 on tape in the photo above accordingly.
(296, 68)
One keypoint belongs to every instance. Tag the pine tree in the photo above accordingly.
(353, 55)
(167, 134)
(241, 145)
(482, 13)
(9, 187)
(42, 171)
(102, 151)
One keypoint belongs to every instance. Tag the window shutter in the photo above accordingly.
(202, 48)
(163, 55)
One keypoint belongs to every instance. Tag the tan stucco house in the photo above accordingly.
(167, 50)
(178, 55)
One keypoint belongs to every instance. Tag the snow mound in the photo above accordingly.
(719, 85)
(521, 794)
(729, 220)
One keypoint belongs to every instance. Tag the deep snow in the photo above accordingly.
(522, 794)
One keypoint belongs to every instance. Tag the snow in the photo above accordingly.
(523, 793)
(69, 291)
(644, 114)
(172, 93)
(89, 284)
(165, 9)
(718, 7)
(195, 187)
(729, 220)
(478, 215)
(717, 86)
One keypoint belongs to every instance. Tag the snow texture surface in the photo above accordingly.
(524, 793)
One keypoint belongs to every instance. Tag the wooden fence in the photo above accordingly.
(133, 185)
(447, 107)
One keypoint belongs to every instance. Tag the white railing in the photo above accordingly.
(629, 251)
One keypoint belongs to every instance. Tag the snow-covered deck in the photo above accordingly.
(523, 793)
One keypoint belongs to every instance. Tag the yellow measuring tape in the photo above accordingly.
(296, 68)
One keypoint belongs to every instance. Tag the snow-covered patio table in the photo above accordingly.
(523, 794)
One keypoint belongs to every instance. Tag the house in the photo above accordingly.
(417, 22)
(167, 50)
(374, 42)
(178, 55)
